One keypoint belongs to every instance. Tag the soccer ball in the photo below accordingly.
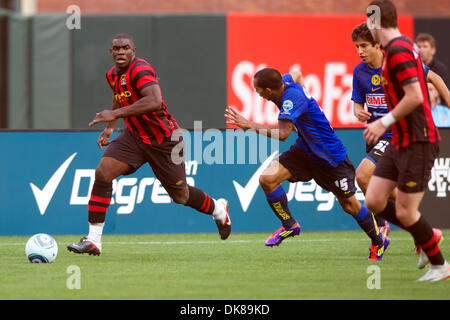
(41, 248)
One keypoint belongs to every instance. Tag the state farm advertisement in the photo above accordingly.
(318, 45)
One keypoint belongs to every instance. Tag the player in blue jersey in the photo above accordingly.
(369, 104)
(367, 90)
(317, 154)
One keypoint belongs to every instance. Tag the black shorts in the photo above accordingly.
(135, 153)
(375, 152)
(409, 166)
(340, 180)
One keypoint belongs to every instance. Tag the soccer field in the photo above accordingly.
(316, 265)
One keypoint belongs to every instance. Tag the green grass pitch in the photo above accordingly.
(316, 265)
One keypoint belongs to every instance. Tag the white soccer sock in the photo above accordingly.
(95, 231)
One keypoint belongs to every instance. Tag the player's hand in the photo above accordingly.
(103, 138)
(104, 116)
(373, 132)
(361, 114)
(234, 118)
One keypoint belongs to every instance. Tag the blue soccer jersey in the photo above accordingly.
(367, 89)
(315, 136)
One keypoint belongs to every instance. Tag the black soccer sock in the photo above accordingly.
(278, 202)
(200, 201)
(367, 222)
(381, 222)
(424, 236)
(99, 201)
(389, 214)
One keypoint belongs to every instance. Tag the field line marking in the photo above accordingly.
(210, 241)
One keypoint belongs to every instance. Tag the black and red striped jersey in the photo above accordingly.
(151, 128)
(402, 65)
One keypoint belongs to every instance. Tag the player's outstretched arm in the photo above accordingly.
(151, 101)
(280, 132)
(297, 77)
(437, 81)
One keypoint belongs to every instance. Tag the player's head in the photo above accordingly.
(268, 84)
(368, 49)
(427, 46)
(381, 14)
(122, 50)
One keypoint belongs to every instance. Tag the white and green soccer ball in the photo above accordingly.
(41, 248)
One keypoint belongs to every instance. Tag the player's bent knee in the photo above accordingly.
(268, 182)
(102, 175)
(179, 196)
(374, 204)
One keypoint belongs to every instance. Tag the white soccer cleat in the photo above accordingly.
(222, 218)
(436, 273)
(423, 259)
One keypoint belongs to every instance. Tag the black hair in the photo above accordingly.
(361, 31)
(123, 36)
(268, 78)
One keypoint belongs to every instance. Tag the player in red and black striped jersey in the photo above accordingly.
(409, 158)
(152, 127)
(148, 138)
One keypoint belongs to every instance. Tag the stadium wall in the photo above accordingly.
(55, 76)
(49, 175)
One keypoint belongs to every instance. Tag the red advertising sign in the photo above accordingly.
(319, 45)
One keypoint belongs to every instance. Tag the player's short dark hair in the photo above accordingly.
(268, 78)
(422, 37)
(361, 31)
(388, 13)
(123, 36)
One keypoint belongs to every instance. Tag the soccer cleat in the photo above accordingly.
(423, 259)
(376, 252)
(384, 230)
(436, 273)
(278, 236)
(222, 218)
(85, 246)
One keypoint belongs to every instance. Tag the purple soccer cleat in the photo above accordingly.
(278, 236)
(376, 252)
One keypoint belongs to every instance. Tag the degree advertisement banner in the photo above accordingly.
(46, 185)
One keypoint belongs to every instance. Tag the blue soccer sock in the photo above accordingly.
(367, 222)
(277, 200)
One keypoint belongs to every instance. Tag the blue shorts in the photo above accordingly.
(339, 180)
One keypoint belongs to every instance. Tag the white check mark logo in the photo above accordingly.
(44, 196)
(246, 193)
